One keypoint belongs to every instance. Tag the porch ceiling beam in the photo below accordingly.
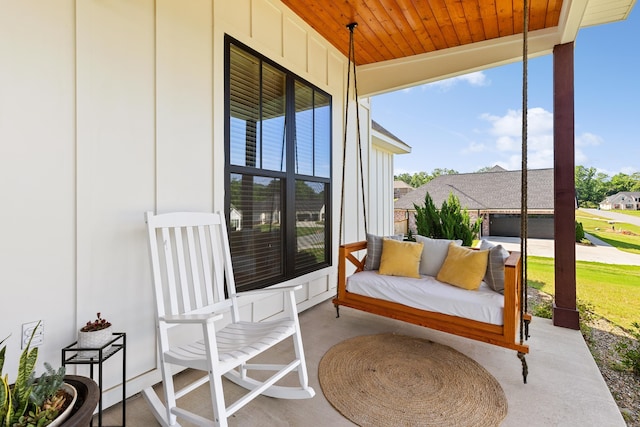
(571, 18)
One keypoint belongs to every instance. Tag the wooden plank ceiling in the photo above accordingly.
(392, 29)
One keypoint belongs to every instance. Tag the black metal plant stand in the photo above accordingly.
(71, 356)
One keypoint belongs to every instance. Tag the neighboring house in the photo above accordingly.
(380, 187)
(494, 196)
(400, 188)
(625, 200)
(235, 219)
(112, 108)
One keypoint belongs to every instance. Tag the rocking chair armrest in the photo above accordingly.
(270, 290)
(192, 318)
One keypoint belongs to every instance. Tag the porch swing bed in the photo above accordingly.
(481, 314)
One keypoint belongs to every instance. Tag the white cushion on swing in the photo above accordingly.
(426, 293)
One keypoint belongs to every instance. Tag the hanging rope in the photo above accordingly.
(524, 214)
(352, 63)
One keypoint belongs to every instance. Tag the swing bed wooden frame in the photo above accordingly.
(501, 335)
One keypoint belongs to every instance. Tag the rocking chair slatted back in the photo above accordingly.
(185, 266)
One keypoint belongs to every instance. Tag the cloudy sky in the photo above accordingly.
(474, 121)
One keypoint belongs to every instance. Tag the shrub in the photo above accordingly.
(545, 310)
(428, 219)
(629, 350)
(587, 315)
(450, 222)
(579, 232)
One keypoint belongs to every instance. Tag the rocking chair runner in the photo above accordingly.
(191, 261)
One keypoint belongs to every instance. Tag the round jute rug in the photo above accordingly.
(397, 380)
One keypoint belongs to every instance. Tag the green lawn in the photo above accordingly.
(627, 212)
(623, 236)
(612, 290)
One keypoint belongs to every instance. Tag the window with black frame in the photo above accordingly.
(278, 170)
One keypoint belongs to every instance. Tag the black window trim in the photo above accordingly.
(288, 190)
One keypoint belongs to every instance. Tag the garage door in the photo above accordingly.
(539, 226)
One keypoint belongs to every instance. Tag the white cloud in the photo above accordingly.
(512, 163)
(474, 147)
(580, 157)
(629, 170)
(506, 143)
(588, 139)
(508, 125)
(506, 132)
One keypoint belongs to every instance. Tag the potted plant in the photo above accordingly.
(94, 334)
(45, 401)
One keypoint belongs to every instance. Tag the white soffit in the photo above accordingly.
(386, 143)
(605, 11)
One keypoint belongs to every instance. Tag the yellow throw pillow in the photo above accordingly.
(463, 267)
(400, 258)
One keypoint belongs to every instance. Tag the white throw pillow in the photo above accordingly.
(433, 254)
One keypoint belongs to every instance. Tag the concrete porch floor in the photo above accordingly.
(564, 387)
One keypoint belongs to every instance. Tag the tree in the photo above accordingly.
(404, 177)
(418, 179)
(438, 171)
(485, 169)
(636, 178)
(591, 187)
(621, 182)
(450, 222)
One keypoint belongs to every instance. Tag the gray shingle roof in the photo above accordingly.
(493, 190)
(630, 194)
(401, 184)
(378, 127)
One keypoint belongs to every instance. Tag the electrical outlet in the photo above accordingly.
(38, 336)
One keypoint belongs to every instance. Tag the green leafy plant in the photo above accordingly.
(587, 316)
(47, 385)
(451, 221)
(428, 219)
(96, 325)
(629, 350)
(579, 232)
(29, 402)
(544, 309)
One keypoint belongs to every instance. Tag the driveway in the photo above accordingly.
(620, 217)
(599, 252)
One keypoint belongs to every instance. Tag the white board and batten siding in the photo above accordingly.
(110, 109)
(383, 150)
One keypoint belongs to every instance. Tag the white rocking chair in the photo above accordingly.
(191, 262)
